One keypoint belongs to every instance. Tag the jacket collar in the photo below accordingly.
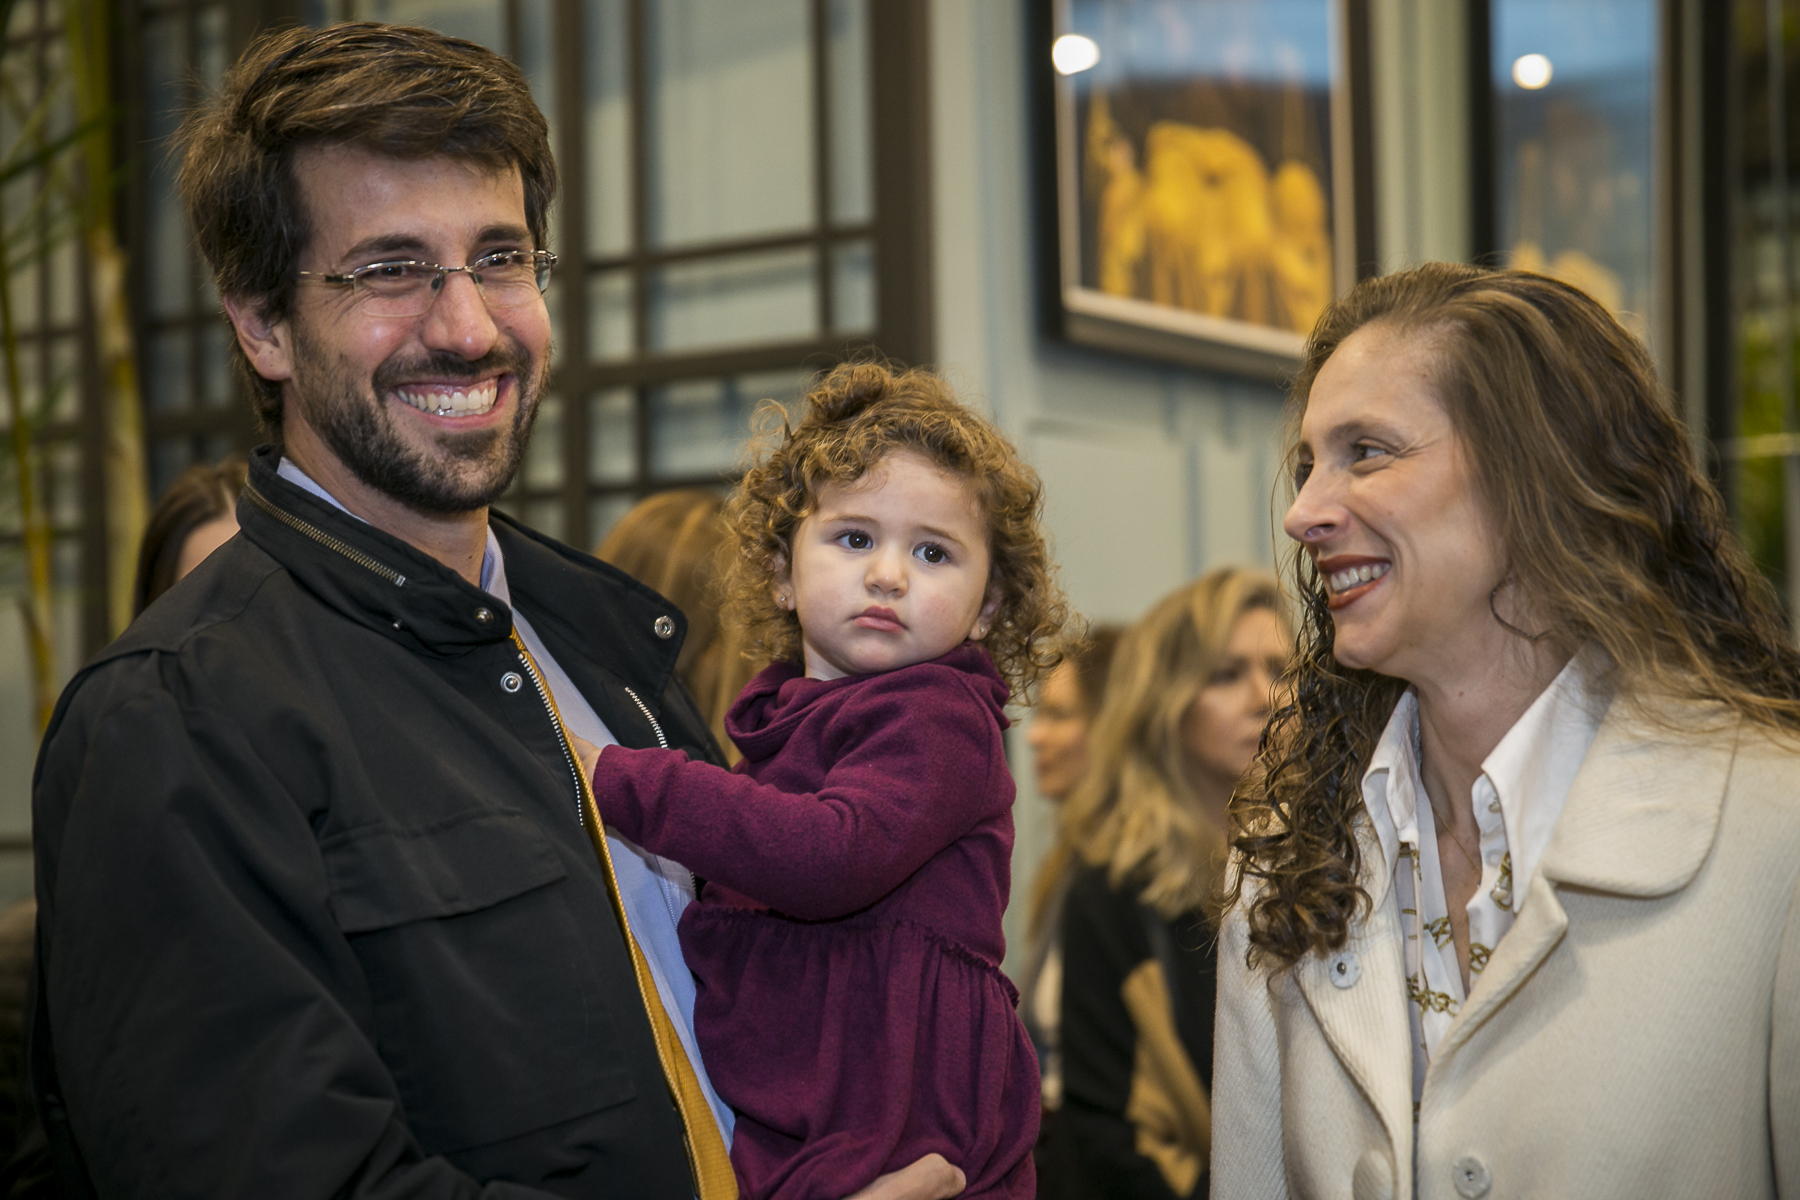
(578, 604)
(1640, 821)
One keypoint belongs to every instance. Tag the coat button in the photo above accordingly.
(484, 616)
(1344, 969)
(664, 627)
(512, 681)
(1471, 1176)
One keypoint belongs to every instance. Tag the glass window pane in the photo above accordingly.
(216, 390)
(210, 44)
(62, 484)
(608, 98)
(603, 513)
(730, 121)
(168, 379)
(701, 427)
(544, 453)
(852, 165)
(611, 316)
(545, 516)
(169, 457)
(749, 298)
(62, 267)
(1574, 135)
(65, 379)
(476, 20)
(612, 437)
(697, 428)
(853, 288)
(536, 55)
(166, 258)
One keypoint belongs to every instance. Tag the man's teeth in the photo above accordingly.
(1349, 577)
(469, 403)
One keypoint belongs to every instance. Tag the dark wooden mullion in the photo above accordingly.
(821, 122)
(735, 360)
(637, 72)
(901, 136)
(192, 94)
(572, 155)
(1483, 204)
(726, 247)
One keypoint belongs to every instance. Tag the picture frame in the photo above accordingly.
(1208, 178)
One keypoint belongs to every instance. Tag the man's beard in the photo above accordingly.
(361, 432)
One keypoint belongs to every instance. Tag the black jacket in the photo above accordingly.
(1137, 1018)
(317, 913)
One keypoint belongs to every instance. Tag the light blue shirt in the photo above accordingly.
(655, 891)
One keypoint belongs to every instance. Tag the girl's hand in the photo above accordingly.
(931, 1178)
(587, 752)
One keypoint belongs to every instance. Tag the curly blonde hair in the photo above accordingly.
(854, 417)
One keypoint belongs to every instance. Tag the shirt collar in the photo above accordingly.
(1535, 764)
(1391, 784)
(1531, 769)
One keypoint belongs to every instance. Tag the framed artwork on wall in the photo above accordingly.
(1212, 186)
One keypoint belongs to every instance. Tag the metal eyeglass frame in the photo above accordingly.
(543, 262)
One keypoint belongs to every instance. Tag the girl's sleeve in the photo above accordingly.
(917, 778)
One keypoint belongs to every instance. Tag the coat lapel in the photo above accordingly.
(1639, 821)
(1366, 1023)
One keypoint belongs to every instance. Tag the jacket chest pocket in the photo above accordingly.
(488, 996)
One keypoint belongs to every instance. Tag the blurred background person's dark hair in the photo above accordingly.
(1067, 704)
(1186, 701)
(670, 542)
(196, 516)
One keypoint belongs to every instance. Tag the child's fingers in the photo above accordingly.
(930, 1178)
(587, 752)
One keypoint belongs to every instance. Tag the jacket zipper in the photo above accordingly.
(693, 880)
(324, 539)
(562, 740)
(645, 709)
(584, 803)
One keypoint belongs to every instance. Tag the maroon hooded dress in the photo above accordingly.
(847, 943)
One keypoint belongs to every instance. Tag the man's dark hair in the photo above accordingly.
(396, 90)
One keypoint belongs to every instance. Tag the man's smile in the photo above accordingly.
(451, 399)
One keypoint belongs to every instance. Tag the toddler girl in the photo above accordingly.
(847, 941)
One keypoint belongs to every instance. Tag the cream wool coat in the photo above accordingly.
(1636, 1034)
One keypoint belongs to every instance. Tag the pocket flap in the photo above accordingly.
(381, 876)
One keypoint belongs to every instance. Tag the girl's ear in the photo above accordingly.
(781, 581)
(984, 620)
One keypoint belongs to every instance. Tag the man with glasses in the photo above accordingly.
(325, 905)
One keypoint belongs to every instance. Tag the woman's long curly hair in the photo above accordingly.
(854, 417)
(1608, 526)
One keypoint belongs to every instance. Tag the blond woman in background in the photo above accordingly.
(1186, 701)
(670, 543)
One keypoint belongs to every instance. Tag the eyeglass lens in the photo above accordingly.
(408, 289)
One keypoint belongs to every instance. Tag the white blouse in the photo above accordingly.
(1518, 797)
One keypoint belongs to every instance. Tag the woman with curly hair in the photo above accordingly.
(1188, 696)
(888, 558)
(1517, 902)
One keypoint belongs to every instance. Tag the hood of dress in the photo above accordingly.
(776, 702)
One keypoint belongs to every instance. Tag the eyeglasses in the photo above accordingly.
(406, 288)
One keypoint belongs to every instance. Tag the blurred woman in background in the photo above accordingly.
(1058, 737)
(669, 542)
(1187, 698)
(196, 516)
